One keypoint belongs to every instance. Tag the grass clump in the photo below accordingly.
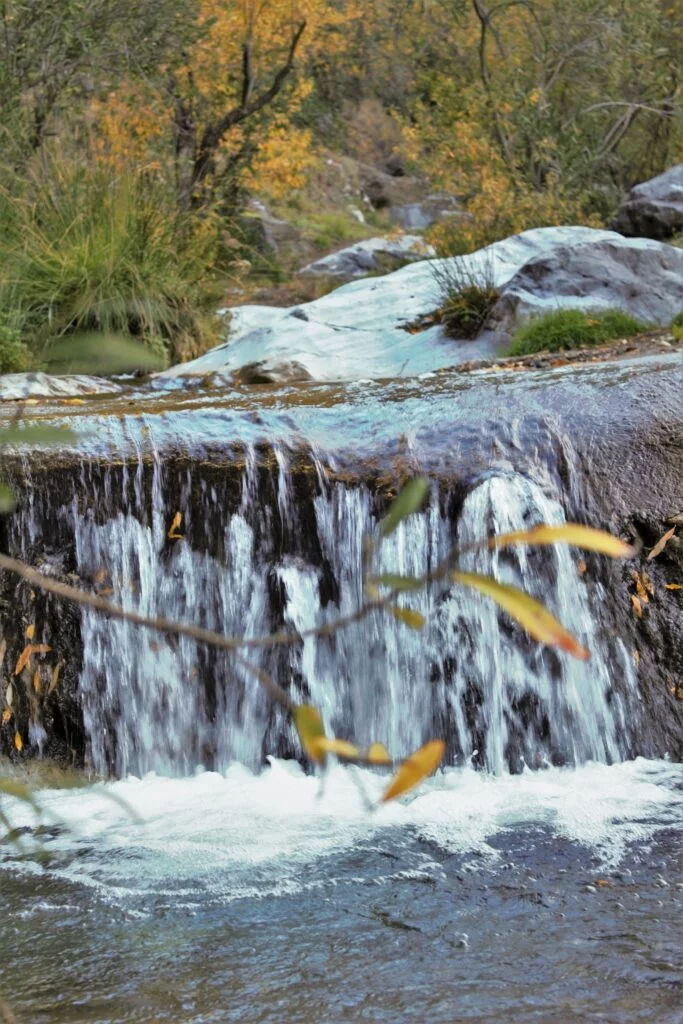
(677, 326)
(573, 328)
(467, 295)
(86, 251)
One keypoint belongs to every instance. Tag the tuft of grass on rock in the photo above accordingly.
(573, 328)
(467, 296)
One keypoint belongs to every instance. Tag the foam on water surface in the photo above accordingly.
(237, 835)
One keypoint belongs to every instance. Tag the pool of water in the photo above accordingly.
(550, 896)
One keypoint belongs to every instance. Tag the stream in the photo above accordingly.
(212, 877)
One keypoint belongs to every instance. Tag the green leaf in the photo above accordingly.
(309, 725)
(531, 614)
(408, 501)
(7, 498)
(396, 582)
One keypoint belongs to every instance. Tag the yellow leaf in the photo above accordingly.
(378, 754)
(661, 543)
(30, 632)
(416, 768)
(18, 741)
(536, 619)
(411, 618)
(637, 606)
(672, 586)
(6, 715)
(310, 727)
(640, 589)
(173, 533)
(647, 583)
(37, 684)
(571, 533)
(325, 745)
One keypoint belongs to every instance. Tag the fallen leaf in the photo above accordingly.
(661, 543)
(672, 586)
(411, 618)
(54, 678)
(173, 533)
(37, 683)
(30, 632)
(640, 589)
(3, 650)
(536, 619)
(416, 768)
(378, 754)
(27, 654)
(636, 657)
(571, 533)
(581, 567)
(18, 743)
(637, 606)
(309, 725)
(647, 583)
(9, 695)
(6, 715)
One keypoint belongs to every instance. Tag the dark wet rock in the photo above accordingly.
(267, 232)
(653, 209)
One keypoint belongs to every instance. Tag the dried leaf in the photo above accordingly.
(637, 606)
(54, 678)
(6, 715)
(636, 657)
(661, 543)
(30, 632)
(408, 501)
(9, 695)
(173, 533)
(410, 617)
(416, 768)
(571, 533)
(378, 754)
(309, 725)
(581, 567)
(672, 586)
(325, 745)
(27, 654)
(18, 742)
(3, 650)
(640, 589)
(647, 583)
(536, 619)
(37, 682)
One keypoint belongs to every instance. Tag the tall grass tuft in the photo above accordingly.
(573, 328)
(87, 250)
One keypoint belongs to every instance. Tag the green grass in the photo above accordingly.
(88, 251)
(467, 296)
(573, 328)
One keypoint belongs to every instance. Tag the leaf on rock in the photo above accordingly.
(309, 725)
(416, 768)
(9, 695)
(640, 589)
(672, 586)
(18, 742)
(30, 632)
(637, 606)
(6, 715)
(408, 501)
(378, 754)
(27, 654)
(37, 682)
(531, 614)
(661, 543)
(54, 679)
(570, 533)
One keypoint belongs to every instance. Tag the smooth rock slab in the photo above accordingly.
(359, 330)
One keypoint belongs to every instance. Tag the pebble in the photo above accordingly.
(589, 888)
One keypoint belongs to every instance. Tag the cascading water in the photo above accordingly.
(154, 703)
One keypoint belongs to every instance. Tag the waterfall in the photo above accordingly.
(286, 560)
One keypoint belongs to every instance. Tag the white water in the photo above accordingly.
(227, 837)
(154, 704)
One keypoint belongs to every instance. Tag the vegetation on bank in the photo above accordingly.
(573, 328)
(526, 114)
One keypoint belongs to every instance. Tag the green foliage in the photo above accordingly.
(678, 320)
(14, 356)
(573, 328)
(87, 251)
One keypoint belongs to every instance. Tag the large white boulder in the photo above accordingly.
(359, 330)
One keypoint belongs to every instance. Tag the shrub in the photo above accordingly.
(86, 250)
(573, 328)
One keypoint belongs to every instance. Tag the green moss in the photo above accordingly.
(573, 328)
